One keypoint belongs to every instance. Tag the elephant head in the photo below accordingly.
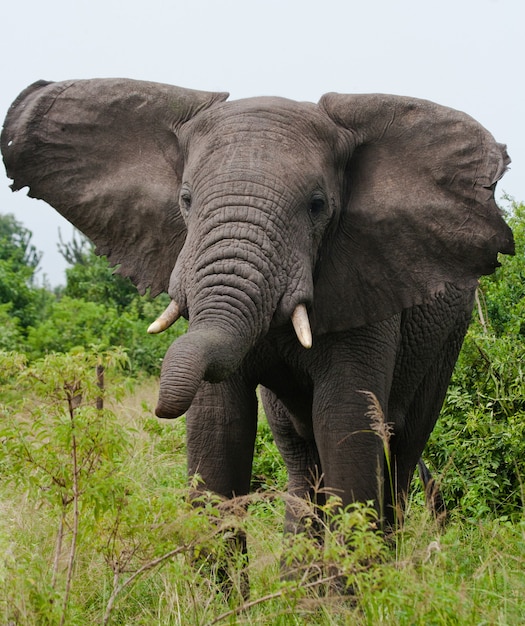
(255, 212)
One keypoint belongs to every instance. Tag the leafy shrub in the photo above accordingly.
(91, 278)
(137, 535)
(18, 263)
(73, 322)
(99, 308)
(269, 471)
(11, 336)
(84, 500)
(479, 440)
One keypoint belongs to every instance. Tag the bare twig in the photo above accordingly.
(58, 549)
(146, 568)
(100, 385)
(482, 320)
(76, 511)
(271, 596)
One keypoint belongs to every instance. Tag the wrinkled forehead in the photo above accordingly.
(258, 120)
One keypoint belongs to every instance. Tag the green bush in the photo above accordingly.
(479, 440)
(11, 335)
(18, 264)
(85, 496)
(91, 278)
(96, 528)
(97, 308)
(73, 322)
(269, 471)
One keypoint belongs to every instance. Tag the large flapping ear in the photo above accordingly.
(105, 154)
(419, 209)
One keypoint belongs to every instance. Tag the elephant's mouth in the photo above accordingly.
(300, 322)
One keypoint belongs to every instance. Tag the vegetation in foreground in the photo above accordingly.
(96, 527)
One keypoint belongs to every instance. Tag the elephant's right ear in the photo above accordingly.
(418, 211)
(105, 154)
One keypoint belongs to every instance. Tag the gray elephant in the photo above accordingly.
(318, 250)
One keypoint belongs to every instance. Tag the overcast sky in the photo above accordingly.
(467, 54)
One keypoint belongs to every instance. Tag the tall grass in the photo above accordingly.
(144, 555)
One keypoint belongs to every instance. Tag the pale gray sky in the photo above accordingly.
(467, 54)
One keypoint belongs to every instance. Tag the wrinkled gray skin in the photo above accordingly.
(377, 212)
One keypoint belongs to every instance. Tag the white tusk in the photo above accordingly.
(170, 315)
(301, 326)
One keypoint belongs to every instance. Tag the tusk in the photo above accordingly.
(301, 326)
(170, 315)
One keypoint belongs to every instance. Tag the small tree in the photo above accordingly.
(19, 261)
(15, 244)
(91, 278)
(62, 449)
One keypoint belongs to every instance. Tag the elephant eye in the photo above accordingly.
(185, 201)
(317, 205)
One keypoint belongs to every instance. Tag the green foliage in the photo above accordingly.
(61, 451)
(72, 323)
(76, 322)
(69, 467)
(95, 308)
(479, 440)
(16, 291)
(59, 395)
(18, 263)
(109, 308)
(96, 528)
(11, 331)
(15, 244)
(268, 470)
(472, 574)
(504, 291)
(91, 278)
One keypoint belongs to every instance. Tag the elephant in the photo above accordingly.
(325, 253)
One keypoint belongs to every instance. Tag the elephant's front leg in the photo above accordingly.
(355, 372)
(221, 426)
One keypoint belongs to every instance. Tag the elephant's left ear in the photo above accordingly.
(105, 154)
(418, 211)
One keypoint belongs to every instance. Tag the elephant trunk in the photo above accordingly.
(222, 330)
(231, 303)
(230, 278)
